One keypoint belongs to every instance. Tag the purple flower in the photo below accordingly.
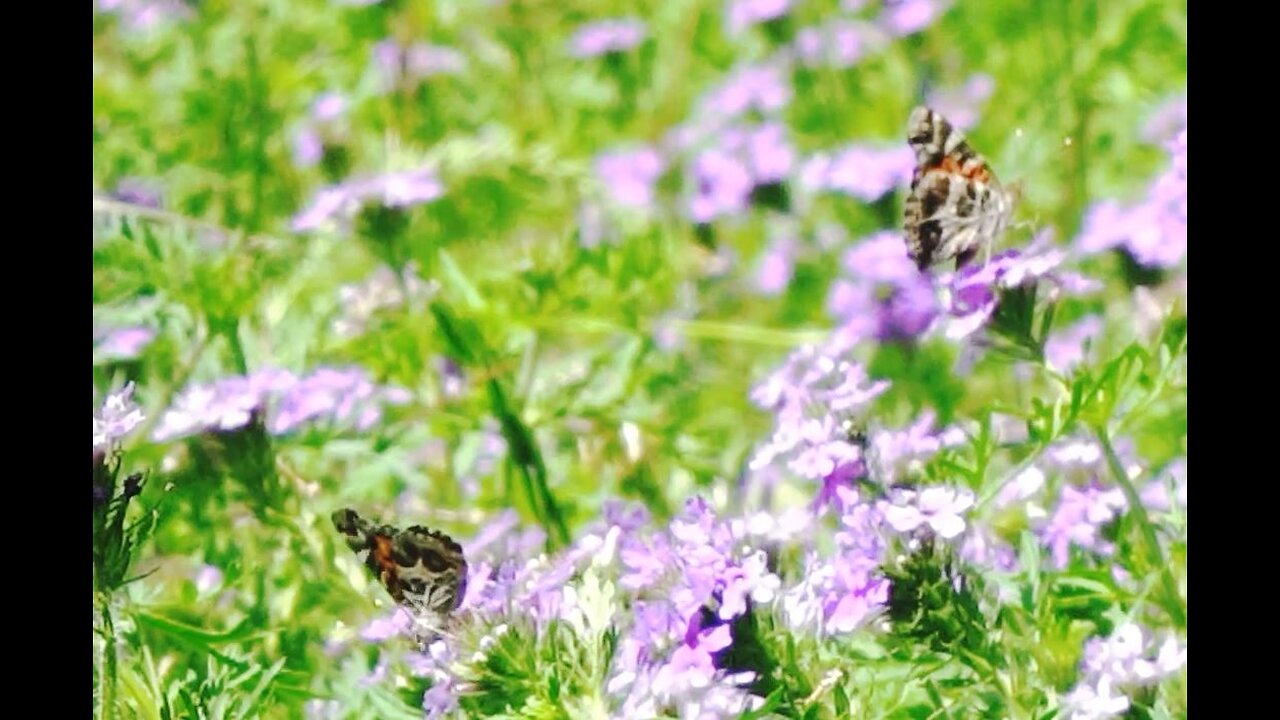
(118, 417)
(886, 286)
(308, 147)
(402, 67)
(1066, 348)
(337, 395)
(208, 579)
(139, 191)
(722, 186)
(607, 36)
(866, 173)
(896, 454)
(322, 127)
(961, 105)
(813, 396)
(1078, 521)
(762, 88)
(140, 15)
(974, 290)
(629, 175)
(1156, 495)
(906, 17)
(394, 190)
(1167, 121)
(1153, 231)
(126, 343)
(1129, 658)
(740, 160)
(838, 43)
(776, 266)
(938, 507)
(745, 13)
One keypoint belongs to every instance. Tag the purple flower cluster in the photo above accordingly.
(124, 343)
(343, 396)
(393, 190)
(884, 284)
(118, 417)
(961, 105)
(401, 67)
(629, 175)
(1066, 348)
(607, 36)
(746, 13)
(763, 88)
(1154, 230)
(323, 126)
(694, 581)
(842, 592)
(863, 172)
(975, 290)
(741, 160)
(139, 15)
(1128, 658)
(907, 17)
(895, 455)
(838, 43)
(813, 397)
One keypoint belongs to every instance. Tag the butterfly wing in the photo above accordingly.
(956, 203)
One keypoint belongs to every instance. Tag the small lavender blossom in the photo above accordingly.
(208, 579)
(142, 15)
(399, 66)
(607, 36)
(776, 267)
(885, 285)
(1156, 495)
(1129, 658)
(762, 88)
(394, 190)
(722, 185)
(322, 126)
(126, 343)
(1154, 230)
(1065, 348)
(974, 290)
(863, 172)
(119, 416)
(1167, 121)
(907, 17)
(813, 395)
(629, 175)
(896, 454)
(745, 13)
(1078, 520)
(940, 508)
(838, 43)
(343, 396)
(960, 105)
(139, 191)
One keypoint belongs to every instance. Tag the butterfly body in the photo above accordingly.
(424, 570)
(956, 205)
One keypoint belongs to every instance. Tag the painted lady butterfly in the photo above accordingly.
(424, 570)
(956, 206)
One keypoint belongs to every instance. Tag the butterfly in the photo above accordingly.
(424, 570)
(956, 206)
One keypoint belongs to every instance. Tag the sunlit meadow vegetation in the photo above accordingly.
(617, 296)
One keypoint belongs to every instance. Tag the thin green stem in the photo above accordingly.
(1172, 603)
(106, 663)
